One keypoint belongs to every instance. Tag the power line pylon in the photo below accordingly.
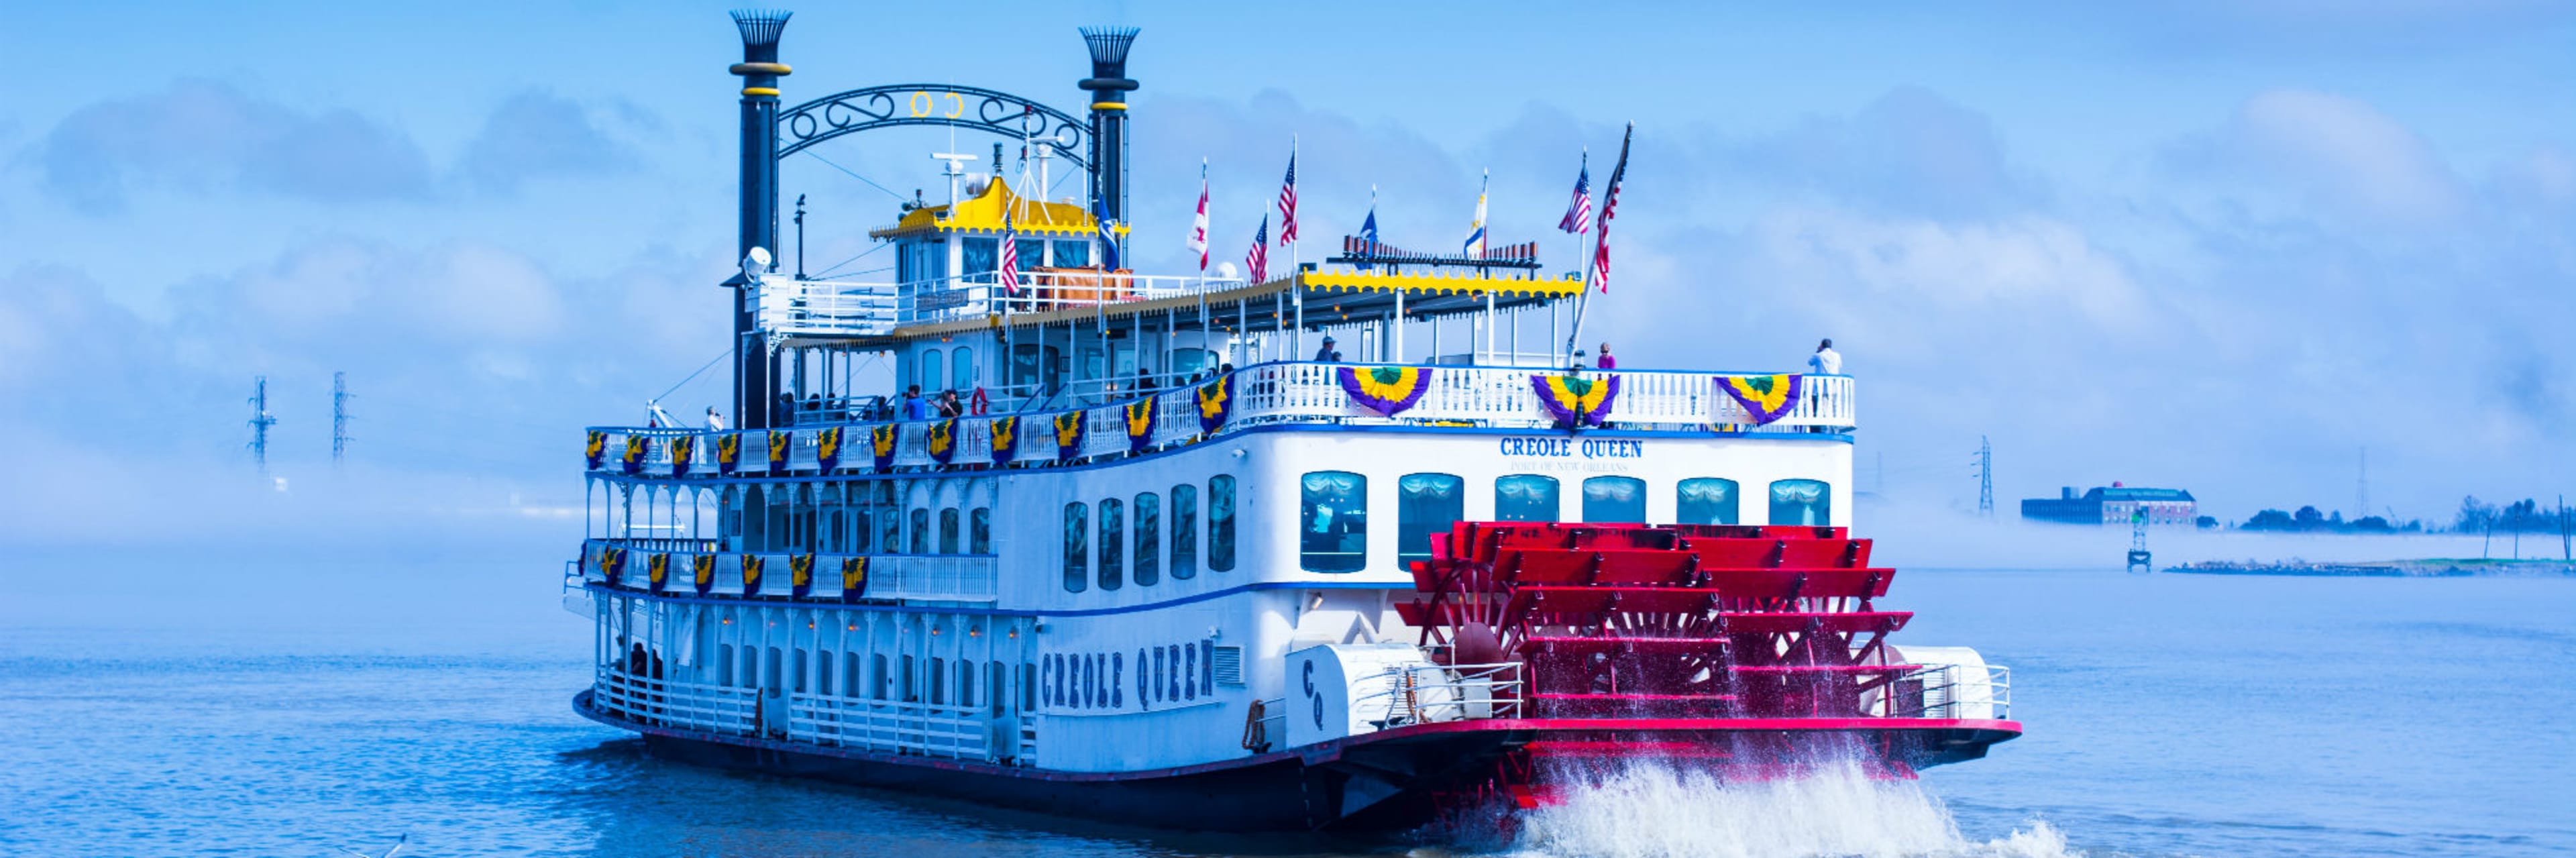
(339, 416)
(1985, 478)
(260, 420)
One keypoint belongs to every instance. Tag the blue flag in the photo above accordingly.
(1108, 240)
(1368, 240)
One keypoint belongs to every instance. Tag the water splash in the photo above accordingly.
(1655, 810)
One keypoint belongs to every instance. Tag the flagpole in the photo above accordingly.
(1296, 338)
(1601, 233)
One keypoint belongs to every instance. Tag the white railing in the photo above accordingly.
(950, 732)
(1299, 392)
(790, 307)
(926, 577)
(1946, 691)
(1423, 694)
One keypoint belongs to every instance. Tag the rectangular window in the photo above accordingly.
(878, 690)
(1221, 523)
(1113, 544)
(1149, 539)
(938, 682)
(1072, 254)
(750, 675)
(1802, 502)
(1032, 253)
(1705, 500)
(724, 665)
(979, 527)
(1332, 521)
(851, 676)
(1077, 547)
(1425, 506)
(889, 525)
(921, 531)
(966, 682)
(911, 694)
(1034, 366)
(1614, 500)
(799, 665)
(1525, 497)
(1185, 532)
(980, 256)
(824, 665)
(948, 535)
(995, 691)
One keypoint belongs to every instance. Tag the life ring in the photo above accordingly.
(978, 403)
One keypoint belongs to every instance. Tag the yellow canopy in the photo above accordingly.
(984, 213)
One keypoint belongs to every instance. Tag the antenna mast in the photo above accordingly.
(1985, 478)
(260, 420)
(339, 416)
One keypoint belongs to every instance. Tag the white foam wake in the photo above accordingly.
(1653, 810)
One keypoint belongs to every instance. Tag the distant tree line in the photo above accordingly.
(2309, 520)
(2515, 519)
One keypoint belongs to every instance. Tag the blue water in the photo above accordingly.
(303, 706)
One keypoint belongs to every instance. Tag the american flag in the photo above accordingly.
(1578, 214)
(1259, 261)
(1009, 274)
(1288, 203)
(1610, 207)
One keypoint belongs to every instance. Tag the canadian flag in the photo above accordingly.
(1199, 224)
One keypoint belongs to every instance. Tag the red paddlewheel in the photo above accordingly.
(1695, 621)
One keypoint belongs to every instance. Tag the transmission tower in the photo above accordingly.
(339, 415)
(1985, 478)
(2362, 492)
(260, 420)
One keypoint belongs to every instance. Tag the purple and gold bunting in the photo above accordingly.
(751, 564)
(800, 574)
(728, 453)
(657, 571)
(1576, 401)
(881, 445)
(1069, 430)
(854, 578)
(1216, 402)
(939, 439)
(1006, 438)
(779, 440)
(827, 448)
(594, 449)
(1386, 390)
(1765, 397)
(683, 449)
(638, 448)
(612, 565)
(702, 573)
(1138, 418)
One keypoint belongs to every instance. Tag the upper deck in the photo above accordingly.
(1282, 394)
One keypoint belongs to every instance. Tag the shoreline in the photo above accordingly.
(2425, 568)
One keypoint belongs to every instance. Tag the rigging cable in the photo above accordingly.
(693, 376)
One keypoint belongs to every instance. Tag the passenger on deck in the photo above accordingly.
(1606, 361)
(1826, 361)
(914, 407)
(949, 406)
(1326, 352)
(715, 421)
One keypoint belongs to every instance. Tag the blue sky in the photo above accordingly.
(2224, 246)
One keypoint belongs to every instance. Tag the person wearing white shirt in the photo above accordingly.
(715, 422)
(1826, 361)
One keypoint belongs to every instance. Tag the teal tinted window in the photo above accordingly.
(1803, 502)
(1425, 506)
(1149, 539)
(1705, 500)
(1332, 522)
(1077, 547)
(981, 256)
(1614, 500)
(1113, 544)
(1185, 532)
(980, 527)
(1221, 523)
(948, 531)
(1073, 254)
(1525, 497)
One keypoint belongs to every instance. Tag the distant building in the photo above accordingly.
(2113, 505)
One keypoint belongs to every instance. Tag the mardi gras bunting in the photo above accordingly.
(1576, 401)
(800, 574)
(657, 571)
(1069, 429)
(854, 578)
(1765, 397)
(1385, 389)
(612, 564)
(827, 448)
(940, 440)
(778, 441)
(638, 448)
(594, 449)
(1006, 438)
(683, 449)
(751, 564)
(702, 573)
(881, 445)
(1138, 416)
(1216, 402)
(728, 453)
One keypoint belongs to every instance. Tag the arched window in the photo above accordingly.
(1705, 500)
(1614, 500)
(930, 373)
(979, 526)
(1185, 532)
(1425, 504)
(948, 535)
(1113, 544)
(1332, 521)
(1802, 502)
(1221, 523)
(1149, 539)
(1077, 547)
(921, 531)
(961, 365)
(1525, 497)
